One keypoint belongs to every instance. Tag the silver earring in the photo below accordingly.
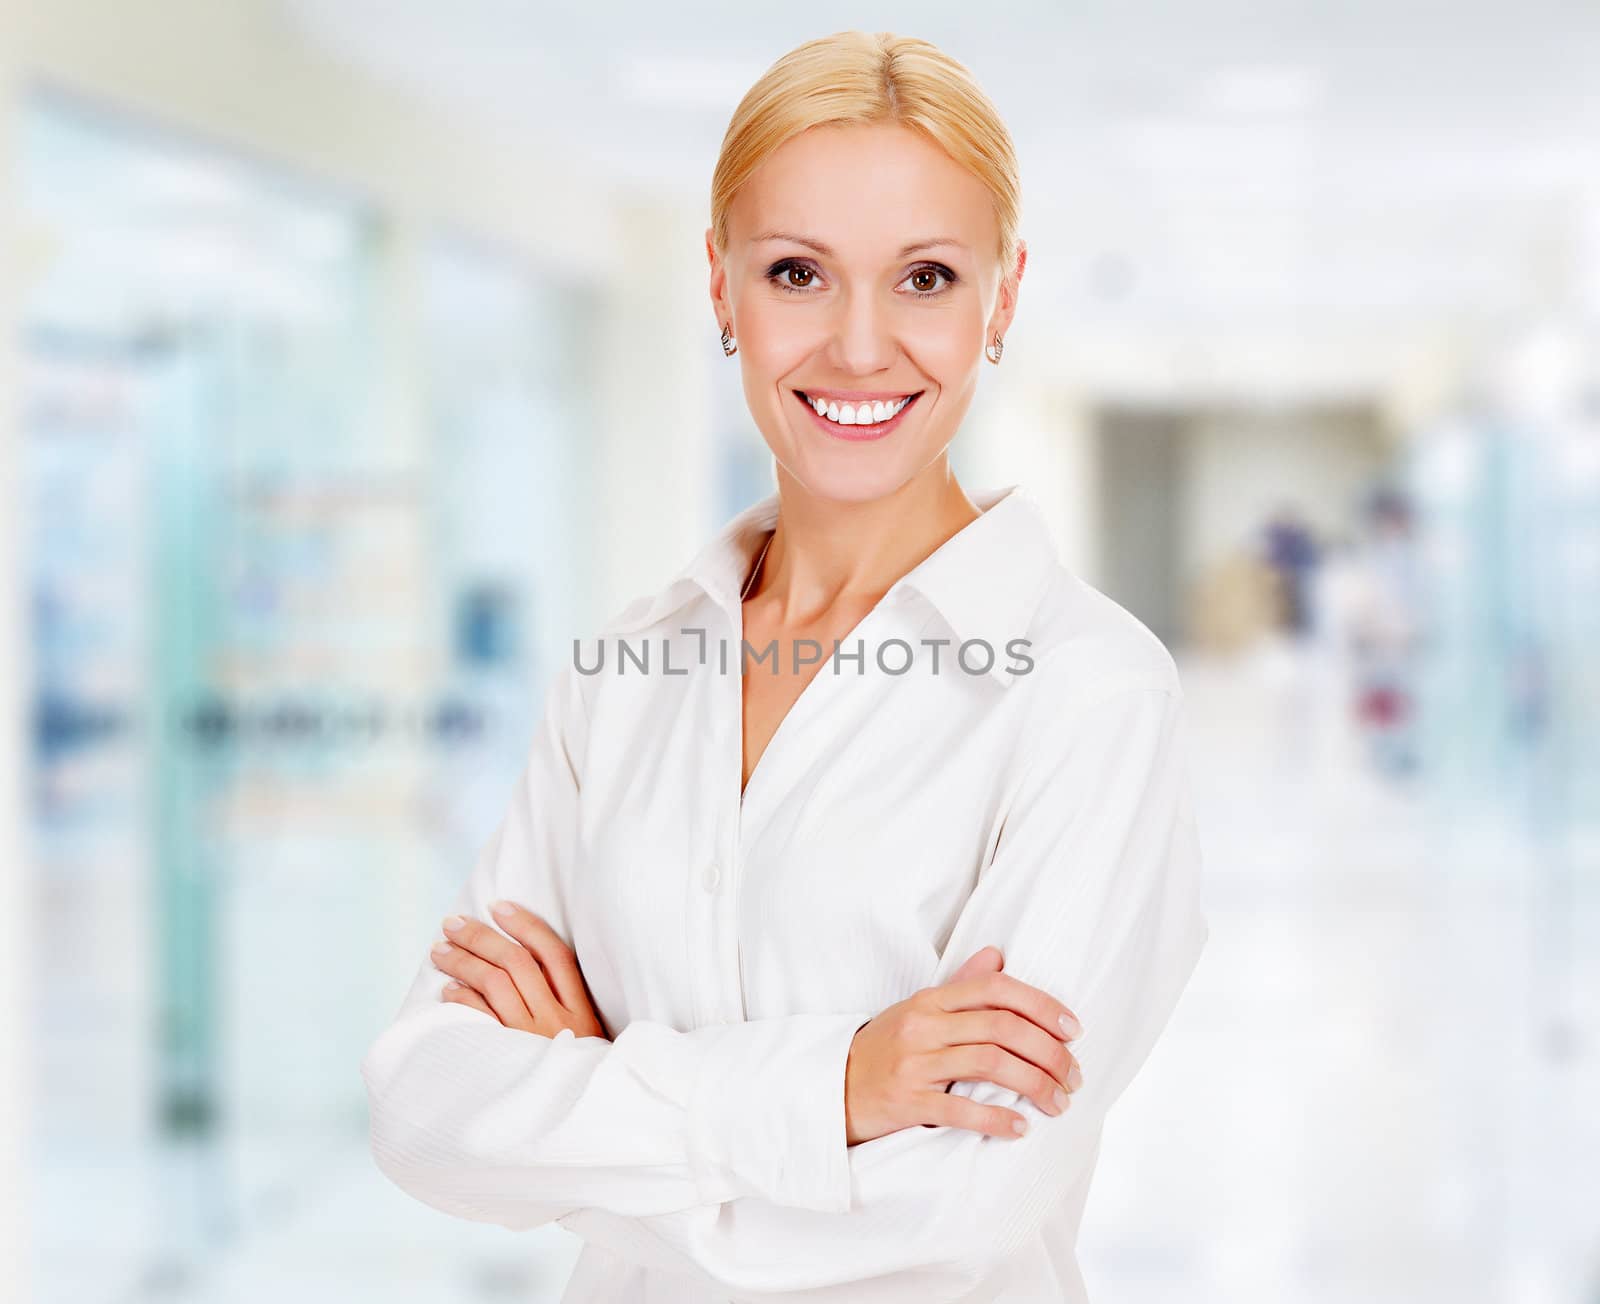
(729, 348)
(997, 347)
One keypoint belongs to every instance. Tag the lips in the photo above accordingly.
(857, 433)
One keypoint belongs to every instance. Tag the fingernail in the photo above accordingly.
(1071, 1026)
(504, 908)
(1019, 1125)
(1061, 1097)
(441, 949)
(453, 986)
(1074, 1077)
(453, 922)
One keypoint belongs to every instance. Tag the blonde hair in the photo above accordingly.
(863, 78)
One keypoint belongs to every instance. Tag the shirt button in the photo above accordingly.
(710, 877)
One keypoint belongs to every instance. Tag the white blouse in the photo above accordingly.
(921, 799)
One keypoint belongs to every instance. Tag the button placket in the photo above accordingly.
(732, 858)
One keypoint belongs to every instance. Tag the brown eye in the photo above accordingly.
(800, 271)
(931, 280)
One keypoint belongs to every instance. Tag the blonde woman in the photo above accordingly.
(852, 874)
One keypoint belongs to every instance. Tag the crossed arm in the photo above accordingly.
(720, 1152)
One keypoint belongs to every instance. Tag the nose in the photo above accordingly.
(863, 338)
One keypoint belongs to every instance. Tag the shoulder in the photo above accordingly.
(1103, 702)
(1086, 646)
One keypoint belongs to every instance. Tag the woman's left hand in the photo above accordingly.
(529, 981)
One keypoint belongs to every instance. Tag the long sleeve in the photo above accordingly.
(1093, 894)
(498, 1125)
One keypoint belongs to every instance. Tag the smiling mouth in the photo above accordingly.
(848, 416)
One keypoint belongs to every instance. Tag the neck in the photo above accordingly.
(826, 553)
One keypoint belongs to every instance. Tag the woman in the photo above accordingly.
(847, 977)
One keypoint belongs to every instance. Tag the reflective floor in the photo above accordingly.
(1373, 1090)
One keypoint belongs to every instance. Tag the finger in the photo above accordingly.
(961, 1111)
(491, 981)
(985, 960)
(489, 943)
(990, 1063)
(1022, 1037)
(555, 956)
(1002, 991)
(458, 993)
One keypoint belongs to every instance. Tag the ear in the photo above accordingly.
(1006, 306)
(719, 282)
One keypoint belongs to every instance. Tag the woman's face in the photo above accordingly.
(829, 298)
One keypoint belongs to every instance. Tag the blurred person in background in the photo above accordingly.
(815, 1027)
(1383, 630)
(1291, 550)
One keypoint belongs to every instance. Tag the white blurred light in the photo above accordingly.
(1588, 271)
(662, 79)
(1541, 373)
(1266, 90)
(1448, 465)
(1579, 458)
(173, 180)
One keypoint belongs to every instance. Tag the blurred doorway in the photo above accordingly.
(1140, 487)
(1193, 495)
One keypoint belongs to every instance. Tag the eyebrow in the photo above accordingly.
(916, 246)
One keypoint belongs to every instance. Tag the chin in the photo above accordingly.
(846, 483)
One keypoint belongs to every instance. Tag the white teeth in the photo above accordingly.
(850, 414)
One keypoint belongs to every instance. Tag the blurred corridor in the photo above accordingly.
(339, 335)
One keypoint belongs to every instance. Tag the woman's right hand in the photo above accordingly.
(981, 1024)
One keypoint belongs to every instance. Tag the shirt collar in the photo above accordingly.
(985, 580)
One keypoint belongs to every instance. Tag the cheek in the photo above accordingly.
(946, 344)
(774, 341)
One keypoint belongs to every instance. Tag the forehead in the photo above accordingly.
(864, 191)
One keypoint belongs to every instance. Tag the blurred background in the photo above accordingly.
(357, 355)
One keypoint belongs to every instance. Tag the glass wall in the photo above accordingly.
(303, 495)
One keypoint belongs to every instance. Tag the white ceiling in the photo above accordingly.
(1277, 181)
